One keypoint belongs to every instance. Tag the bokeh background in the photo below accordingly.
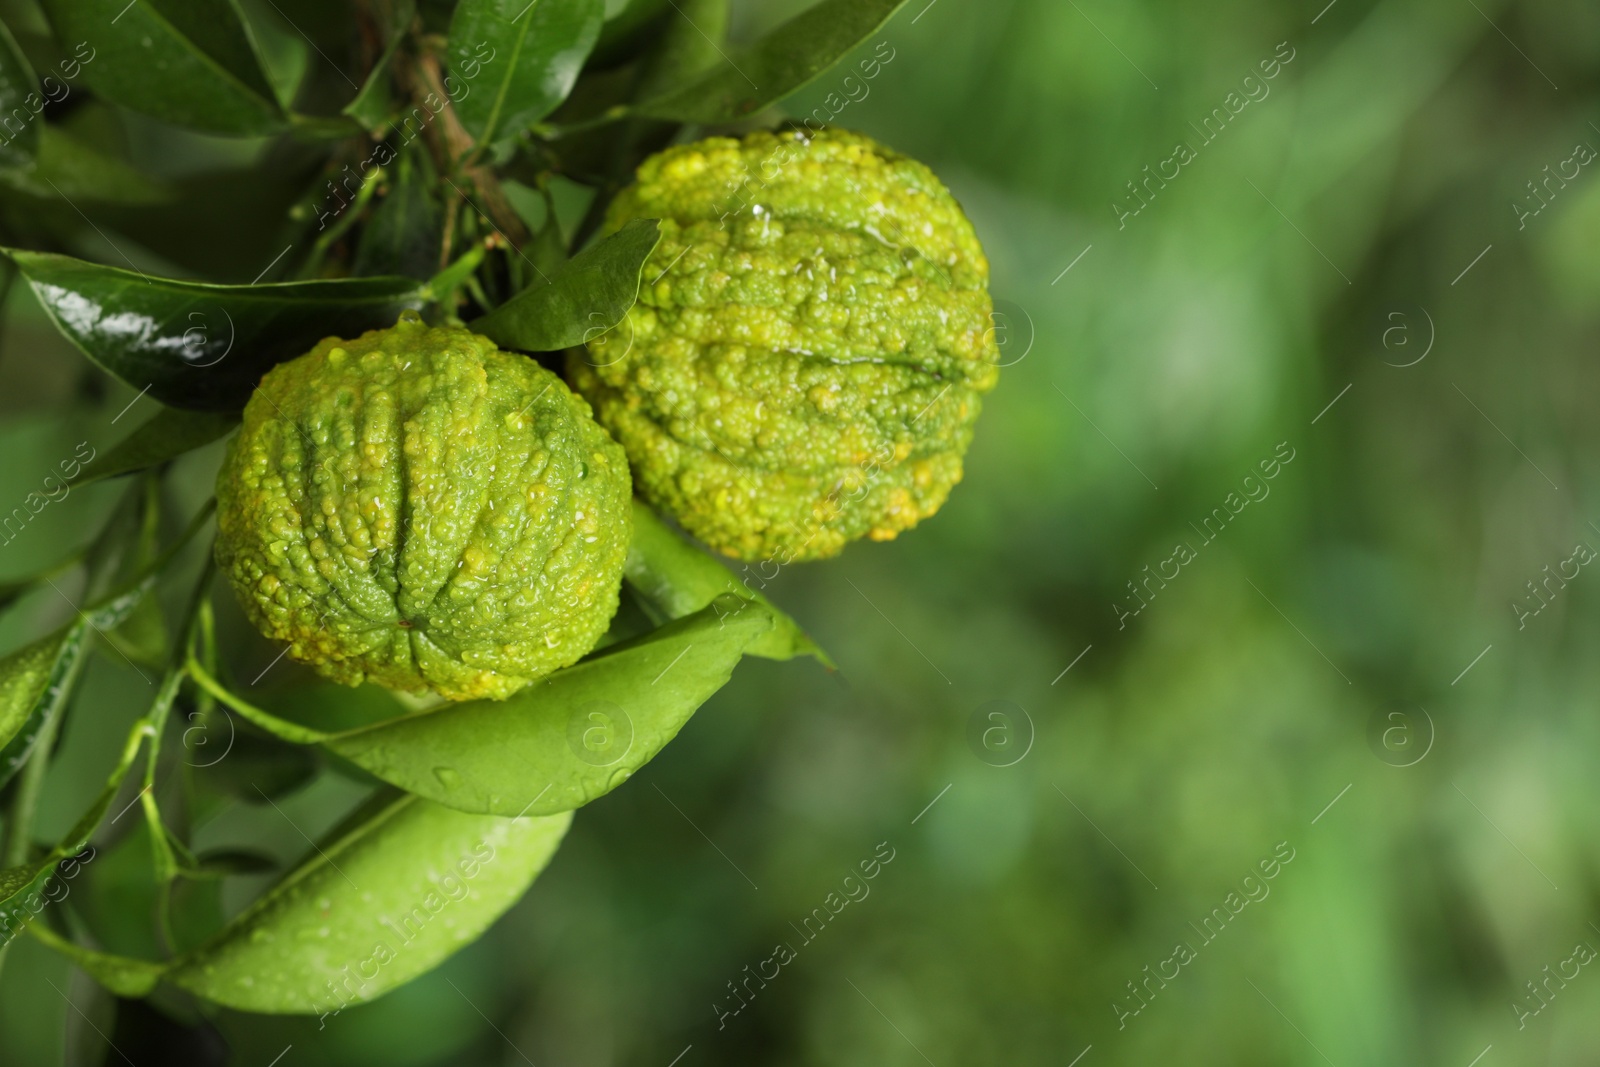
(1342, 676)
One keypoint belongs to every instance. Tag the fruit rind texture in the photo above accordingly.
(419, 509)
(810, 345)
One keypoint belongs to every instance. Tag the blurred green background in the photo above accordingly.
(1340, 676)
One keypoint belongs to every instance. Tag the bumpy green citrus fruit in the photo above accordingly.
(812, 337)
(419, 509)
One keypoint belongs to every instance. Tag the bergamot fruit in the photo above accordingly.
(419, 509)
(812, 337)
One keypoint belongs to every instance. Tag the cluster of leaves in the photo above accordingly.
(425, 146)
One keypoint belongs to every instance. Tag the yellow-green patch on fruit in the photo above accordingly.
(419, 509)
(812, 338)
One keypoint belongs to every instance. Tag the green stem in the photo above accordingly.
(166, 866)
(342, 224)
(282, 729)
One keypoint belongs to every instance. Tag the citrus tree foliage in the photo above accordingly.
(380, 160)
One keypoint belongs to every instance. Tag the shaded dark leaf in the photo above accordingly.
(376, 101)
(168, 433)
(225, 862)
(403, 233)
(73, 170)
(19, 128)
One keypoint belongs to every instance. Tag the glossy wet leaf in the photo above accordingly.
(167, 434)
(33, 680)
(385, 897)
(579, 300)
(72, 170)
(196, 345)
(673, 578)
(22, 896)
(537, 48)
(188, 62)
(573, 737)
(17, 82)
(774, 66)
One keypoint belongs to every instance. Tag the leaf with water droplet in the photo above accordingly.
(389, 894)
(518, 755)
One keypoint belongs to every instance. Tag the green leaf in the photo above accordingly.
(188, 62)
(693, 40)
(122, 975)
(775, 65)
(556, 745)
(72, 170)
(33, 681)
(382, 900)
(233, 761)
(537, 48)
(37, 676)
(196, 345)
(403, 233)
(570, 738)
(578, 301)
(17, 82)
(168, 433)
(24, 889)
(673, 578)
(375, 102)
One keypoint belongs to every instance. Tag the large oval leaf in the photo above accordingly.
(188, 62)
(536, 49)
(17, 82)
(196, 345)
(386, 897)
(674, 578)
(774, 66)
(575, 736)
(579, 300)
